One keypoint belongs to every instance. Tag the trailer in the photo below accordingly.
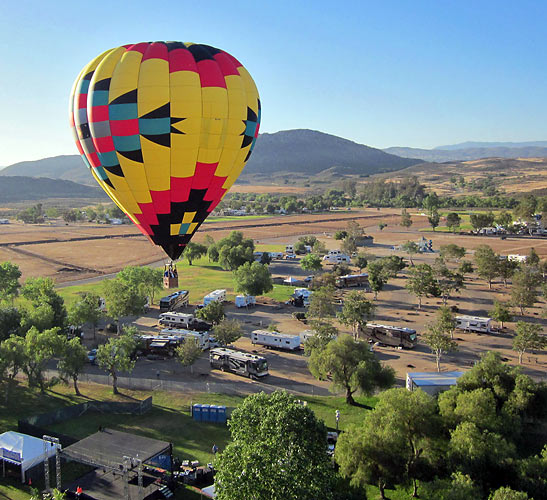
(303, 294)
(336, 259)
(474, 324)
(245, 301)
(353, 280)
(215, 296)
(183, 320)
(179, 335)
(177, 299)
(396, 336)
(242, 363)
(275, 339)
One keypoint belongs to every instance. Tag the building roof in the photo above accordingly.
(434, 378)
(23, 449)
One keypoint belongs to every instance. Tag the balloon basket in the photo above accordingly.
(170, 282)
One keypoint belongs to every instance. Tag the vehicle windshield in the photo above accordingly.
(260, 366)
(413, 337)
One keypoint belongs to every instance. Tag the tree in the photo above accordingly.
(458, 487)
(528, 337)
(501, 312)
(311, 263)
(40, 348)
(40, 316)
(392, 265)
(360, 261)
(452, 252)
(406, 220)
(377, 276)
(506, 493)
(448, 281)
(324, 332)
(9, 281)
(421, 282)
(354, 230)
(74, 357)
(340, 235)
(86, 310)
(277, 452)
(356, 311)
(431, 202)
(228, 331)
(411, 248)
(439, 342)
(319, 248)
(487, 263)
(212, 312)
(532, 259)
(253, 279)
(188, 353)
(504, 219)
(117, 356)
(122, 299)
(506, 269)
(524, 291)
(194, 251)
(453, 221)
(348, 245)
(321, 303)
(232, 251)
(434, 218)
(146, 280)
(12, 361)
(10, 322)
(42, 291)
(481, 220)
(382, 226)
(392, 442)
(350, 366)
(446, 321)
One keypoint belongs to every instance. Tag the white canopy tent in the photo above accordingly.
(209, 491)
(23, 450)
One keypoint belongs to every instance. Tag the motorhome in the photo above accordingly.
(177, 299)
(242, 363)
(275, 339)
(216, 296)
(183, 320)
(474, 324)
(179, 335)
(289, 249)
(353, 280)
(245, 301)
(396, 336)
(276, 255)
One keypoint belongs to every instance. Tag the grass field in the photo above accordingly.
(199, 278)
(169, 420)
(237, 218)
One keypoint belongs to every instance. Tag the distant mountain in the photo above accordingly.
(471, 144)
(302, 151)
(471, 153)
(19, 188)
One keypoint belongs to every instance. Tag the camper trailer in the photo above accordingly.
(353, 280)
(242, 363)
(336, 259)
(216, 296)
(275, 339)
(177, 299)
(245, 301)
(304, 293)
(474, 324)
(183, 320)
(289, 249)
(179, 335)
(396, 336)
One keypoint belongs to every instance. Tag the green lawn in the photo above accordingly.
(168, 420)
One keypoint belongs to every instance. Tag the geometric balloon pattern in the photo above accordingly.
(165, 128)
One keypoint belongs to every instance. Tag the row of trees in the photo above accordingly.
(37, 214)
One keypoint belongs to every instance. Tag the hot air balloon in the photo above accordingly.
(165, 128)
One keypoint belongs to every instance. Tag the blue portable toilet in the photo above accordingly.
(213, 413)
(221, 414)
(196, 412)
(205, 413)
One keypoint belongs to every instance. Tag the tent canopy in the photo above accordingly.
(24, 450)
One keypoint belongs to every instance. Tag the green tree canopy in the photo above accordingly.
(453, 221)
(117, 355)
(253, 279)
(194, 251)
(406, 220)
(9, 280)
(146, 280)
(228, 331)
(422, 283)
(322, 303)
(86, 310)
(439, 342)
(188, 352)
(356, 311)
(311, 262)
(12, 361)
(278, 452)
(41, 291)
(501, 312)
(123, 299)
(72, 362)
(487, 263)
(212, 312)
(528, 337)
(40, 348)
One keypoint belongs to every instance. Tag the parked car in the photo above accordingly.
(92, 356)
(307, 279)
(290, 256)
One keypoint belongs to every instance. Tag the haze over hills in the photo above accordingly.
(18, 188)
(474, 144)
(303, 151)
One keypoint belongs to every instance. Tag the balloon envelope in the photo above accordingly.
(165, 128)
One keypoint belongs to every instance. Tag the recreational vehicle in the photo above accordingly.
(396, 336)
(216, 296)
(275, 339)
(245, 301)
(474, 324)
(336, 259)
(242, 363)
(304, 293)
(177, 299)
(289, 249)
(4, 221)
(183, 320)
(179, 335)
(353, 280)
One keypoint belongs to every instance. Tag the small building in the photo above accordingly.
(432, 382)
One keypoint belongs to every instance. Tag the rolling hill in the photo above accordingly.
(18, 188)
(303, 151)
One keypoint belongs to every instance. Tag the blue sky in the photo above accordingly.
(382, 73)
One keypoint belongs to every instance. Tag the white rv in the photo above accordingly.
(336, 259)
(276, 255)
(275, 339)
(474, 324)
(245, 301)
(183, 320)
(304, 293)
(516, 258)
(289, 249)
(216, 296)
(179, 335)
